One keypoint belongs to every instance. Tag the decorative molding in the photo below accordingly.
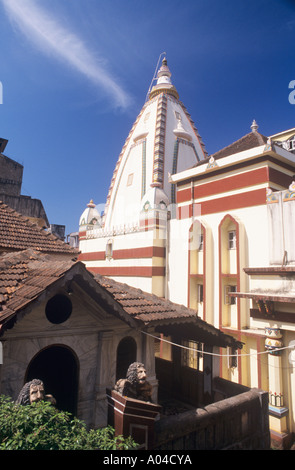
(278, 412)
(273, 341)
(159, 145)
(211, 164)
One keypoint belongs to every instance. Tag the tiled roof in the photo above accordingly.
(141, 305)
(18, 233)
(167, 317)
(25, 275)
(247, 142)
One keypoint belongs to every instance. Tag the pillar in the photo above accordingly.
(105, 376)
(131, 417)
(277, 410)
(148, 359)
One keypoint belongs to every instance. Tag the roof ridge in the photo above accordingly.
(257, 134)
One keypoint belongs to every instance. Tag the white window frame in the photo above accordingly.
(228, 299)
(232, 240)
(130, 179)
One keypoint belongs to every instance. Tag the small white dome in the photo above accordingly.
(181, 132)
(90, 216)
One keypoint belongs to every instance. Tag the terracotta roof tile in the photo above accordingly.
(251, 140)
(142, 305)
(247, 142)
(18, 233)
(26, 274)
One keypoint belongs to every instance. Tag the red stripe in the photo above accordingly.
(224, 204)
(132, 253)
(82, 234)
(219, 171)
(232, 183)
(183, 195)
(132, 271)
(92, 256)
(145, 252)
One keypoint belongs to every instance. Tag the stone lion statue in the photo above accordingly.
(135, 384)
(33, 391)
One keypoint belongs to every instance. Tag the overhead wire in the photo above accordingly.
(215, 354)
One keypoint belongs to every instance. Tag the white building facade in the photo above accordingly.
(209, 232)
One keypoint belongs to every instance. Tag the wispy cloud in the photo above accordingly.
(49, 35)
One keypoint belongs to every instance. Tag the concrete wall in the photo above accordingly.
(11, 174)
(236, 423)
(91, 334)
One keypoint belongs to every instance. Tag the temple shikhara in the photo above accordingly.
(130, 240)
(211, 232)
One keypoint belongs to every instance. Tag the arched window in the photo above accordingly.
(197, 268)
(109, 249)
(229, 270)
(126, 354)
(57, 367)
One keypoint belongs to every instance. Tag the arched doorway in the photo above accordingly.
(57, 367)
(126, 354)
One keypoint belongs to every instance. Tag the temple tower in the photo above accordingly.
(129, 243)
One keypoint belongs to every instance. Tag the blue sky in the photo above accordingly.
(75, 74)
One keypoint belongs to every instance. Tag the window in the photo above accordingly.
(130, 179)
(232, 357)
(200, 293)
(228, 299)
(289, 144)
(232, 240)
(201, 242)
(58, 309)
(178, 116)
(109, 249)
(192, 354)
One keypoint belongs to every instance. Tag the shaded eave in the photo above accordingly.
(196, 330)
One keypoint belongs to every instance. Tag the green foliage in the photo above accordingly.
(41, 426)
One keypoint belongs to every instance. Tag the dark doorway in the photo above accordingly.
(57, 367)
(126, 354)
